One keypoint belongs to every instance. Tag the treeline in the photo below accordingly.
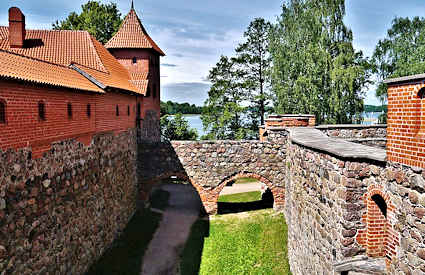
(375, 109)
(172, 108)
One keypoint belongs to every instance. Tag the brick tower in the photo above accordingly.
(140, 55)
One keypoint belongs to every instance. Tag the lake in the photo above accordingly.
(196, 122)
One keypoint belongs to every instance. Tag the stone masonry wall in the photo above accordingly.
(60, 212)
(333, 217)
(371, 135)
(210, 165)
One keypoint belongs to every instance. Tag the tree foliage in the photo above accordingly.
(239, 96)
(401, 53)
(100, 20)
(254, 60)
(223, 112)
(177, 128)
(172, 108)
(315, 67)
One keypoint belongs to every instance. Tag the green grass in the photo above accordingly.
(246, 243)
(126, 254)
(245, 180)
(241, 197)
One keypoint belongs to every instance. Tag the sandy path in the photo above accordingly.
(162, 255)
(241, 188)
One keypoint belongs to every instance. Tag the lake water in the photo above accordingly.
(196, 122)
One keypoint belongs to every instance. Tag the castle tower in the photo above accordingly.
(140, 55)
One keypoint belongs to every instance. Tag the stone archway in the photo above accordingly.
(278, 192)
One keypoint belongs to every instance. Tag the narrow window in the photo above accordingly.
(139, 110)
(88, 110)
(148, 92)
(128, 110)
(2, 112)
(154, 91)
(69, 110)
(380, 202)
(117, 110)
(134, 60)
(421, 93)
(41, 110)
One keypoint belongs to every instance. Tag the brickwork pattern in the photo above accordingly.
(59, 213)
(406, 125)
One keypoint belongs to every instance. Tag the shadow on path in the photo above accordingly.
(166, 250)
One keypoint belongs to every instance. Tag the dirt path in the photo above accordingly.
(162, 255)
(241, 188)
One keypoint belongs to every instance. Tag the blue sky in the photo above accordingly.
(194, 33)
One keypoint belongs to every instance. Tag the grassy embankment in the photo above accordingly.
(246, 243)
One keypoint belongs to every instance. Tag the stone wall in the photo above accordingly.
(60, 212)
(371, 135)
(345, 213)
(210, 165)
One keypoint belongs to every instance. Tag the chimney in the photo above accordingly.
(16, 28)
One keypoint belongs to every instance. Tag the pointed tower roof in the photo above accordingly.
(132, 35)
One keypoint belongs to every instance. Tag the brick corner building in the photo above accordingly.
(59, 84)
(406, 120)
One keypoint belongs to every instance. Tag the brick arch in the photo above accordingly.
(379, 236)
(278, 192)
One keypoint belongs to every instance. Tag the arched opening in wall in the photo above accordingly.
(421, 112)
(377, 226)
(242, 194)
(2, 112)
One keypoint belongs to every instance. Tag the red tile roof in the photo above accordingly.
(58, 50)
(13, 66)
(132, 35)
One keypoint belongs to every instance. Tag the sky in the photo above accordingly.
(194, 33)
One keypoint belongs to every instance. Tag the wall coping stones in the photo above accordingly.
(362, 264)
(316, 139)
(350, 126)
(275, 116)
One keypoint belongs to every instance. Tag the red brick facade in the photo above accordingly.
(24, 127)
(406, 124)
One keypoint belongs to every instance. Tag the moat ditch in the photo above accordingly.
(174, 236)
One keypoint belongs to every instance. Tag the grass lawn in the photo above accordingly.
(245, 180)
(125, 255)
(241, 197)
(246, 243)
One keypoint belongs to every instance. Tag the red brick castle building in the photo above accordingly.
(56, 85)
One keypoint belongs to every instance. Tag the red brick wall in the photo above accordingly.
(23, 128)
(147, 62)
(406, 125)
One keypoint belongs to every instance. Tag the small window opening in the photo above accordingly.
(128, 110)
(421, 93)
(41, 110)
(88, 110)
(134, 60)
(380, 202)
(148, 92)
(117, 110)
(69, 110)
(139, 110)
(2, 112)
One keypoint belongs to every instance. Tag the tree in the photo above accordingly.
(401, 53)
(254, 60)
(177, 128)
(222, 114)
(315, 68)
(100, 20)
